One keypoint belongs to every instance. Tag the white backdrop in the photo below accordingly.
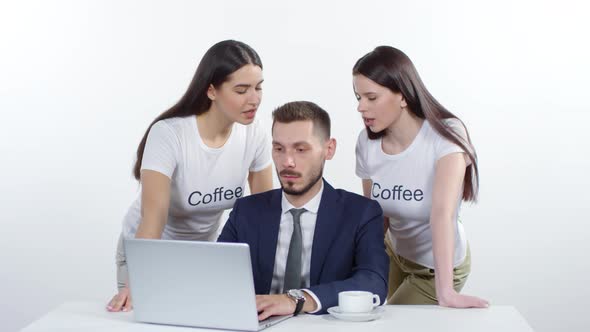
(81, 80)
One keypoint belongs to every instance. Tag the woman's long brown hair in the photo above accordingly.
(220, 61)
(391, 68)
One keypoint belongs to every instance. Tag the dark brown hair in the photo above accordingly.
(304, 111)
(220, 61)
(391, 68)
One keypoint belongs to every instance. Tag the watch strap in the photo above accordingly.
(299, 298)
(298, 306)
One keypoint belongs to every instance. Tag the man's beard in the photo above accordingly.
(306, 188)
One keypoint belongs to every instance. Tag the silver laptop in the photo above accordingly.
(199, 284)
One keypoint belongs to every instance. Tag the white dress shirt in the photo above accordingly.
(307, 220)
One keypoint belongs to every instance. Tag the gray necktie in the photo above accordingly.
(293, 268)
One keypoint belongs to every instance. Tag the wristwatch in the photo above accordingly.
(297, 296)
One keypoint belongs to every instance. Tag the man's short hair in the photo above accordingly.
(304, 111)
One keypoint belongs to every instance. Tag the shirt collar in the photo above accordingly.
(312, 205)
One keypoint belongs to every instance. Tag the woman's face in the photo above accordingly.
(379, 106)
(239, 96)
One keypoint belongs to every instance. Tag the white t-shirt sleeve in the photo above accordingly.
(444, 146)
(161, 149)
(361, 155)
(262, 157)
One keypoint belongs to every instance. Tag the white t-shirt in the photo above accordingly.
(403, 183)
(204, 181)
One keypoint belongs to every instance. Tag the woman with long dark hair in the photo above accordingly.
(417, 160)
(194, 159)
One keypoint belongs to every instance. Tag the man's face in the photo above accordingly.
(299, 155)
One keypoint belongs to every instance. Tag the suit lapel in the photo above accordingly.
(329, 213)
(269, 222)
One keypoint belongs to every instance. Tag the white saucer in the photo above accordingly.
(356, 317)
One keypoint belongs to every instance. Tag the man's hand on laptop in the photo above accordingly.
(280, 304)
(121, 301)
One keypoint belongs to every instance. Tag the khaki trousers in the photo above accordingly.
(412, 283)
(121, 261)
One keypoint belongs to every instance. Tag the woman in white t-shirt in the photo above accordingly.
(194, 159)
(416, 159)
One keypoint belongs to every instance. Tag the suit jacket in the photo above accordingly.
(347, 251)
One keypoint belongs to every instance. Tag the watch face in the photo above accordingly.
(296, 293)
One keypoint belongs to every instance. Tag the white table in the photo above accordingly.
(92, 316)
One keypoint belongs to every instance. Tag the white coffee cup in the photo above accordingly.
(357, 301)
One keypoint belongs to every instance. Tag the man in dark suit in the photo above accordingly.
(308, 241)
